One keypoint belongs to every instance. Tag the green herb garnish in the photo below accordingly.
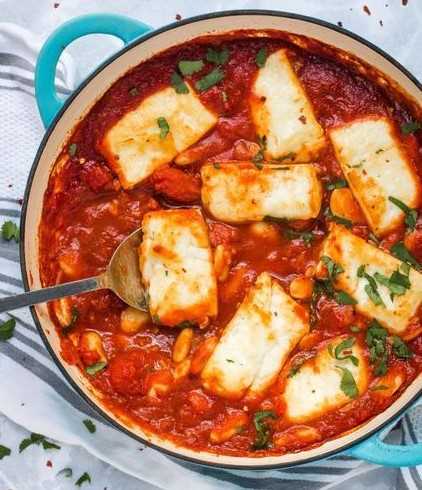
(4, 451)
(337, 184)
(95, 368)
(212, 78)
(10, 230)
(262, 429)
(74, 318)
(6, 329)
(337, 219)
(397, 283)
(411, 215)
(400, 251)
(410, 127)
(37, 439)
(344, 298)
(72, 149)
(376, 339)
(333, 268)
(342, 351)
(217, 57)
(400, 348)
(379, 388)
(66, 472)
(189, 67)
(306, 236)
(49, 445)
(89, 424)
(82, 479)
(185, 324)
(261, 58)
(371, 288)
(348, 383)
(164, 127)
(179, 84)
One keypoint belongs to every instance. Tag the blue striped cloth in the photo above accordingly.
(33, 393)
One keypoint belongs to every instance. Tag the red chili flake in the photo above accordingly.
(49, 464)
(178, 17)
(404, 3)
(366, 10)
(340, 24)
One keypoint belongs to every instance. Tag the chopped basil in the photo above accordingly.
(179, 84)
(376, 340)
(337, 219)
(333, 268)
(212, 78)
(72, 149)
(306, 236)
(379, 388)
(6, 329)
(342, 351)
(261, 57)
(74, 318)
(397, 283)
(400, 348)
(217, 57)
(82, 479)
(4, 451)
(49, 445)
(348, 383)
(344, 298)
(164, 127)
(10, 230)
(133, 91)
(262, 429)
(371, 288)
(337, 184)
(189, 67)
(410, 127)
(89, 424)
(37, 439)
(66, 472)
(95, 368)
(411, 215)
(400, 251)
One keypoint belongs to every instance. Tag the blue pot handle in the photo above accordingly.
(376, 451)
(125, 28)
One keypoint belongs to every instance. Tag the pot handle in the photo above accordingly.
(125, 28)
(376, 451)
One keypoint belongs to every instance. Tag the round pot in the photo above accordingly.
(61, 117)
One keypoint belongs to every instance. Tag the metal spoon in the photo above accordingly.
(122, 276)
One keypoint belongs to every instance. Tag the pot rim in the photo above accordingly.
(114, 422)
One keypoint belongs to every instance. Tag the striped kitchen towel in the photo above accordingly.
(33, 393)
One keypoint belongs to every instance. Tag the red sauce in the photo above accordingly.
(87, 214)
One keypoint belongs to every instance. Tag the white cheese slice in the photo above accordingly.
(350, 252)
(239, 192)
(376, 167)
(282, 112)
(177, 268)
(256, 342)
(134, 147)
(315, 389)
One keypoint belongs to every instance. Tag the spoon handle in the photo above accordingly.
(50, 293)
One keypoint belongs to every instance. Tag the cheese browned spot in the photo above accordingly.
(177, 268)
(240, 192)
(351, 252)
(256, 342)
(315, 388)
(376, 167)
(134, 147)
(282, 112)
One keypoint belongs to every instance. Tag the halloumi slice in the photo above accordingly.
(256, 342)
(134, 147)
(376, 167)
(282, 112)
(350, 252)
(315, 388)
(177, 267)
(240, 192)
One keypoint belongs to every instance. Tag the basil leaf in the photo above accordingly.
(10, 230)
(4, 451)
(343, 345)
(337, 219)
(66, 472)
(344, 298)
(262, 430)
(212, 78)
(401, 349)
(7, 329)
(82, 479)
(49, 445)
(400, 251)
(337, 184)
(188, 67)
(371, 288)
(394, 284)
(95, 368)
(179, 84)
(348, 383)
(411, 215)
(376, 340)
(89, 424)
(332, 267)
(72, 149)
(306, 236)
(34, 438)
(410, 127)
(164, 127)
(261, 58)
(217, 57)
(75, 316)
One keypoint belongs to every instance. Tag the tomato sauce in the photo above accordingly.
(87, 214)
